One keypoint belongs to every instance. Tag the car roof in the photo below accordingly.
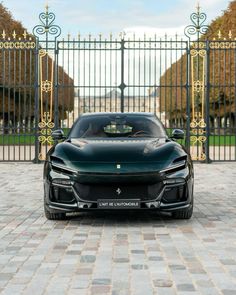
(145, 114)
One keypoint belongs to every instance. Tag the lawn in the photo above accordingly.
(17, 139)
(29, 139)
(21, 139)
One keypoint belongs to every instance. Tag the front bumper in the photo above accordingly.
(174, 192)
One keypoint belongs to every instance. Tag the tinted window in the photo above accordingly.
(106, 126)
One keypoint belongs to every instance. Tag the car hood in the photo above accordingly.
(85, 154)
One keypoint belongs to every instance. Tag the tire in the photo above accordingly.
(183, 213)
(53, 216)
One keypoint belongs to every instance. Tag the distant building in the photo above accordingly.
(111, 102)
(154, 93)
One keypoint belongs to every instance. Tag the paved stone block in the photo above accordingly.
(118, 253)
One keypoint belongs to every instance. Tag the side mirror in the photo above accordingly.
(177, 134)
(58, 134)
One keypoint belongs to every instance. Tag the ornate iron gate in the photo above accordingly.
(47, 82)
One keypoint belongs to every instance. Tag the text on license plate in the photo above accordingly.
(118, 204)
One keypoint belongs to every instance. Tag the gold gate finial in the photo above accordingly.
(46, 7)
(3, 34)
(14, 34)
(198, 7)
(25, 34)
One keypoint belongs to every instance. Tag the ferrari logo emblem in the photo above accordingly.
(118, 166)
(118, 191)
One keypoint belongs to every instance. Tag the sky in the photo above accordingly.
(106, 16)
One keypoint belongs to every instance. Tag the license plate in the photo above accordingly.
(118, 204)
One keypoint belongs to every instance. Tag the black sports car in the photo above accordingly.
(118, 161)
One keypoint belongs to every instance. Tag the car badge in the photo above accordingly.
(118, 191)
(118, 166)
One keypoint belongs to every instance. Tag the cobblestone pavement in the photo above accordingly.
(118, 254)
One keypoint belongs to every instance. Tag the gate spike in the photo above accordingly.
(219, 34)
(230, 34)
(198, 7)
(122, 35)
(46, 7)
(25, 34)
(3, 34)
(14, 34)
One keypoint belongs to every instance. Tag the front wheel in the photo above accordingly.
(183, 213)
(53, 216)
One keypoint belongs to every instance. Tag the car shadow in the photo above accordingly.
(104, 218)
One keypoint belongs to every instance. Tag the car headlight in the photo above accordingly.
(56, 160)
(63, 182)
(174, 181)
(174, 167)
(63, 169)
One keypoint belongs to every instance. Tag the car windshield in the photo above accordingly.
(106, 126)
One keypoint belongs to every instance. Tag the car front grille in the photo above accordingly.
(62, 194)
(175, 194)
(93, 192)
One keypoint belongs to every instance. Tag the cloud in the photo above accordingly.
(141, 14)
(113, 16)
(150, 32)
